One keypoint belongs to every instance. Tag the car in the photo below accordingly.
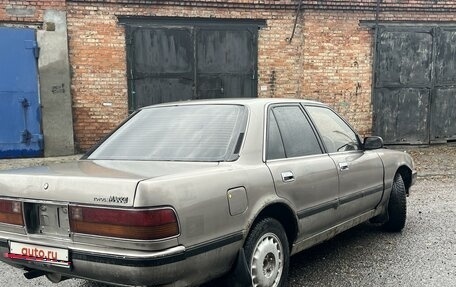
(182, 193)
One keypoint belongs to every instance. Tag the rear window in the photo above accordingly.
(177, 133)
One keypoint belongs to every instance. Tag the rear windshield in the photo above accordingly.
(177, 133)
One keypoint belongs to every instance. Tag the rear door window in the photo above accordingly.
(275, 144)
(290, 133)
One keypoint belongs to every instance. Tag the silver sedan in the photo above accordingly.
(182, 193)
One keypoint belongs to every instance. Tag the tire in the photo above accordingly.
(267, 253)
(397, 206)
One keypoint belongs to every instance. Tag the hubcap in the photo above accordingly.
(266, 265)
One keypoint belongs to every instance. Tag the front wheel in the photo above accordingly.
(267, 253)
(397, 206)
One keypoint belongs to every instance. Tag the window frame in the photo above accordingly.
(299, 105)
(358, 138)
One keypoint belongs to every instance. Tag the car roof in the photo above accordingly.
(239, 101)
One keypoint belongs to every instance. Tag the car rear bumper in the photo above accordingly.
(175, 266)
(156, 268)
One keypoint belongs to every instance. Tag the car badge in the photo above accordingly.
(46, 186)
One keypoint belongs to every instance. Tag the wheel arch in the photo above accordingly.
(406, 174)
(282, 213)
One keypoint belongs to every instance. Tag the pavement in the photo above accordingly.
(423, 254)
(434, 162)
(27, 162)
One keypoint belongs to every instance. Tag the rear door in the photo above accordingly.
(360, 172)
(302, 174)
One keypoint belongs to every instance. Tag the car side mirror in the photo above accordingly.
(371, 143)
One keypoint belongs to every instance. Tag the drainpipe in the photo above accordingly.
(295, 22)
(374, 61)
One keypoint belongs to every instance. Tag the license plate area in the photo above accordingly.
(47, 219)
(39, 254)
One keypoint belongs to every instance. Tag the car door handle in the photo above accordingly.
(343, 166)
(287, 176)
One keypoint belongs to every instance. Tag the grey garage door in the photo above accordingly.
(414, 97)
(182, 61)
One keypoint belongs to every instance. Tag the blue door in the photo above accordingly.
(20, 113)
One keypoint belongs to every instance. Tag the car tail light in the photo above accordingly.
(142, 224)
(11, 212)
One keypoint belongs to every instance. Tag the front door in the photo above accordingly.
(360, 176)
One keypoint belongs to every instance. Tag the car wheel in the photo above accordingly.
(397, 206)
(267, 254)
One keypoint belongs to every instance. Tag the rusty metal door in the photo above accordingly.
(443, 104)
(169, 62)
(161, 64)
(403, 85)
(225, 63)
(414, 92)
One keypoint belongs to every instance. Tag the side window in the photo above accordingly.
(275, 147)
(335, 133)
(291, 135)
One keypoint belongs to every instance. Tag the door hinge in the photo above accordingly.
(25, 103)
(33, 45)
(129, 40)
(26, 137)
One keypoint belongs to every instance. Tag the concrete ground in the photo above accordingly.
(424, 254)
(26, 162)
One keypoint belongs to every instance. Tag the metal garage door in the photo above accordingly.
(182, 61)
(20, 112)
(415, 86)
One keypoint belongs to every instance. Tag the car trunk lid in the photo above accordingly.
(100, 182)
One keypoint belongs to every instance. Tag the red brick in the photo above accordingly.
(329, 59)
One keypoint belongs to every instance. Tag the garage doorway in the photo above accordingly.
(180, 59)
(415, 86)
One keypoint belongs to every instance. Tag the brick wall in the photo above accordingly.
(98, 59)
(27, 11)
(329, 59)
(98, 64)
(337, 65)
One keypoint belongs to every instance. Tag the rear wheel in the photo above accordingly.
(267, 253)
(397, 206)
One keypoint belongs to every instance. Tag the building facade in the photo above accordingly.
(388, 66)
